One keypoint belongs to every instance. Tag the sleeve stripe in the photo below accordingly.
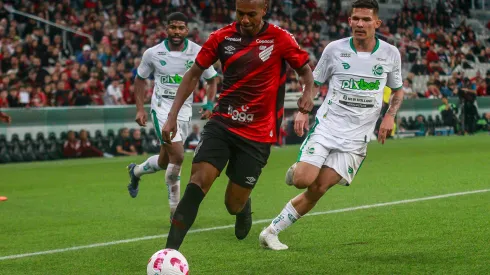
(394, 89)
(304, 64)
(318, 83)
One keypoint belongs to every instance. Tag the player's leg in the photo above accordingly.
(149, 166)
(176, 158)
(210, 158)
(296, 208)
(340, 168)
(244, 169)
(311, 157)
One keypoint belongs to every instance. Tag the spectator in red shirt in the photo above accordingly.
(95, 89)
(71, 148)
(87, 150)
(482, 89)
(38, 98)
(4, 103)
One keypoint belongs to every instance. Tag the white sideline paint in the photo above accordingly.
(61, 250)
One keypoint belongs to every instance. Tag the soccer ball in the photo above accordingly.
(167, 262)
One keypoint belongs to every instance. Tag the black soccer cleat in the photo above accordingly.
(243, 222)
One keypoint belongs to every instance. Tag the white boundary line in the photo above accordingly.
(17, 256)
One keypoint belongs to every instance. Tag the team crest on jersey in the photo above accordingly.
(188, 64)
(163, 63)
(378, 70)
(265, 54)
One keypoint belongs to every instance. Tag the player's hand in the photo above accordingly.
(5, 118)
(205, 114)
(386, 128)
(141, 118)
(169, 130)
(305, 104)
(300, 124)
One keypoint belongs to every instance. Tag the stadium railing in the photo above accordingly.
(104, 118)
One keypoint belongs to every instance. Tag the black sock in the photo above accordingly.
(184, 215)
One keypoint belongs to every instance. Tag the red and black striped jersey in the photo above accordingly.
(251, 103)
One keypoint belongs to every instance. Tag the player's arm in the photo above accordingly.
(395, 82)
(187, 86)
(210, 96)
(143, 72)
(305, 103)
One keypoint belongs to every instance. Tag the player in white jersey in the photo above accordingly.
(357, 69)
(168, 62)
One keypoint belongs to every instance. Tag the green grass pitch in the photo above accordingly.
(59, 205)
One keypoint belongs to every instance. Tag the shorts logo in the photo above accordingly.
(250, 180)
(311, 150)
(265, 54)
(230, 49)
(378, 70)
(350, 171)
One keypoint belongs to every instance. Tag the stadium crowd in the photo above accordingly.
(37, 69)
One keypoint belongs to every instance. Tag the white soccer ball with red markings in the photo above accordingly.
(167, 262)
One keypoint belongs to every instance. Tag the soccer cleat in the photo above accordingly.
(270, 241)
(134, 181)
(243, 221)
(290, 174)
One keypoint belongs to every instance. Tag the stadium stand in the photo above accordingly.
(42, 65)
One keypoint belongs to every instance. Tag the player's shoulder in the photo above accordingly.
(387, 48)
(277, 31)
(158, 48)
(193, 47)
(224, 31)
(337, 45)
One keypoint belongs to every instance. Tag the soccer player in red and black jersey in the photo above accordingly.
(246, 119)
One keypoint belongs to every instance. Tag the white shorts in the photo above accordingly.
(183, 127)
(323, 151)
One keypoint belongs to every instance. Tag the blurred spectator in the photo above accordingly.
(407, 89)
(449, 114)
(193, 138)
(71, 147)
(137, 142)
(87, 150)
(122, 144)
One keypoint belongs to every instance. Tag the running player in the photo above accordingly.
(168, 61)
(245, 122)
(357, 68)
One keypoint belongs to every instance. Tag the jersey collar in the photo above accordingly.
(186, 43)
(351, 42)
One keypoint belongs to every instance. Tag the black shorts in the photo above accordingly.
(245, 158)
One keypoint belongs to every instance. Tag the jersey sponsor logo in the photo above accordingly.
(163, 63)
(234, 39)
(381, 59)
(346, 65)
(264, 41)
(168, 79)
(161, 53)
(357, 101)
(378, 70)
(240, 114)
(266, 53)
(230, 49)
(347, 55)
(361, 85)
(188, 64)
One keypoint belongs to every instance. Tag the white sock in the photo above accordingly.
(150, 166)
(288, 216)
(172, 179)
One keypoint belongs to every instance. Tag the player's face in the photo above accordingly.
(364, 23)
(177, 32)
(249, 15)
